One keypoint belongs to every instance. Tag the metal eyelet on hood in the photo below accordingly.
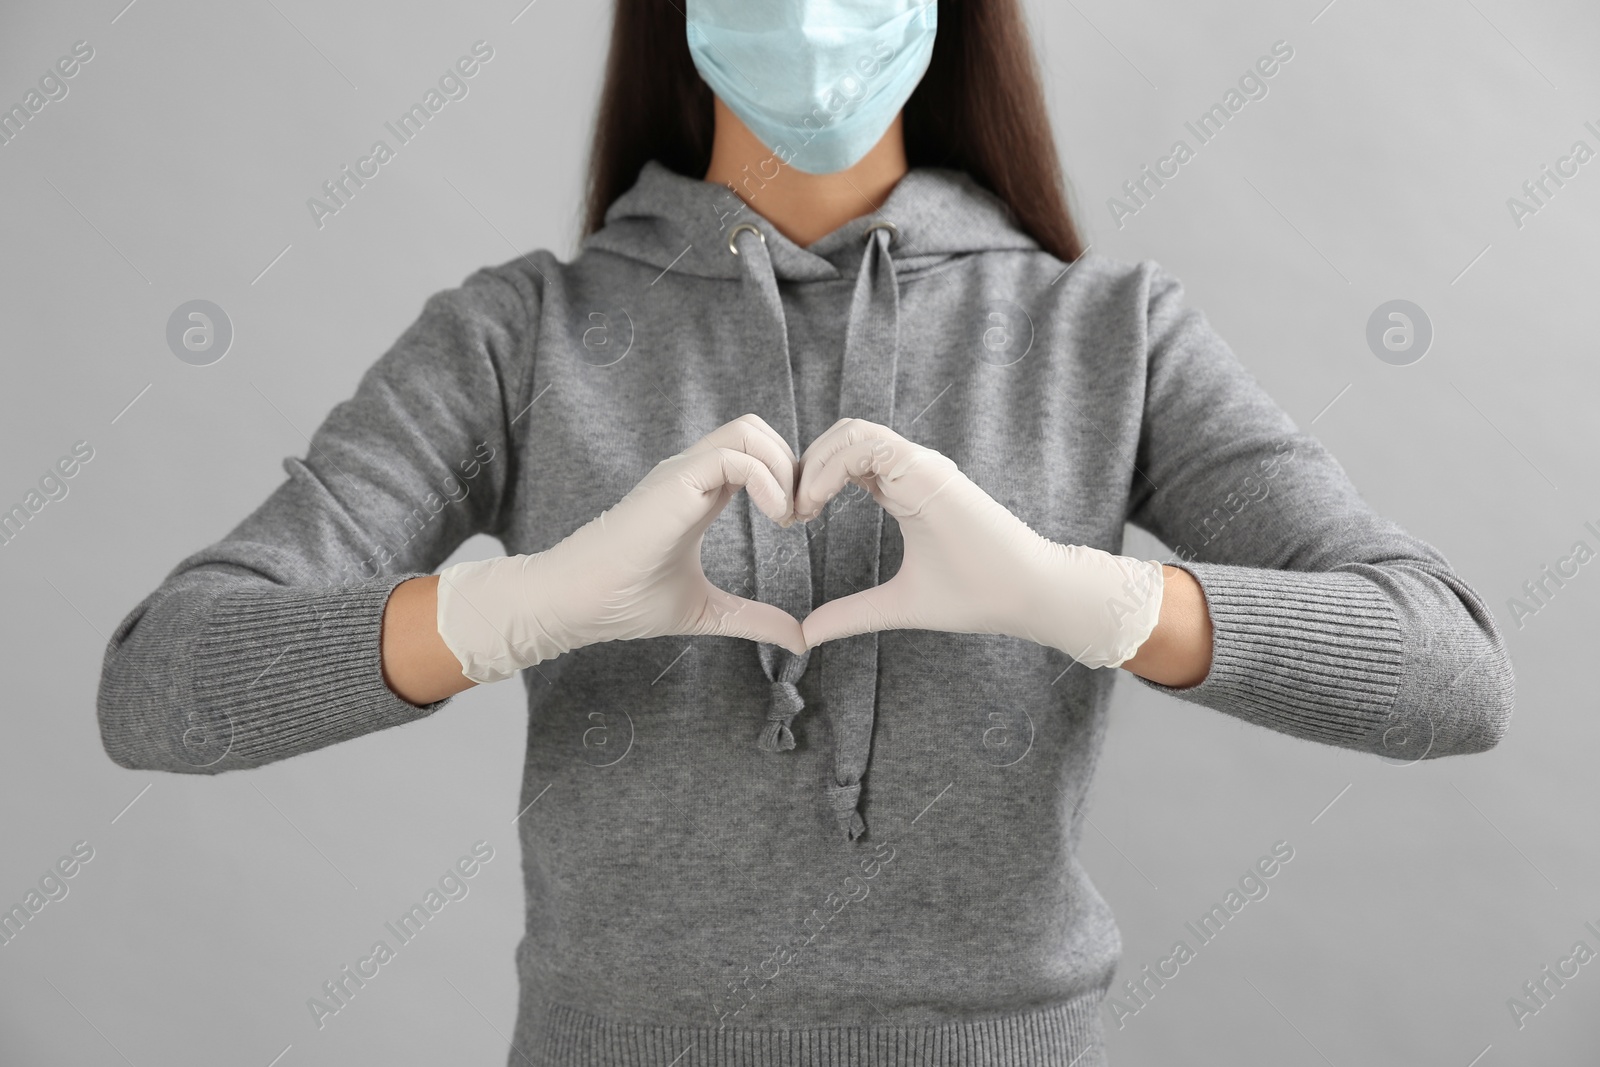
(882, 224)
(885, 224)
(733, 235)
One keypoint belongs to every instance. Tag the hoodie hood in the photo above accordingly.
(668, 219)
(680, 224)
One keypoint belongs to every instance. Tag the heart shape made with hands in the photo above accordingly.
(969, 566)
(634, 570)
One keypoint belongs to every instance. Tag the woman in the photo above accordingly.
(802, 785)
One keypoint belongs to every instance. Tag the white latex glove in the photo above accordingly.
(971, 566)
(633, 571)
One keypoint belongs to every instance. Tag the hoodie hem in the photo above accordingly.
(1066, 1034)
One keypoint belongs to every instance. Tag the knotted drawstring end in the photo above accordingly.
(776, 737)
(854, 827)
(844, 799)
(783, 704)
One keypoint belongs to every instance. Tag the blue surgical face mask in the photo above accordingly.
(818, 81)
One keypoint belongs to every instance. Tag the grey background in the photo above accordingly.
(1377, 168)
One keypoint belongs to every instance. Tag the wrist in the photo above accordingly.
(1178, 652)
(416, 664)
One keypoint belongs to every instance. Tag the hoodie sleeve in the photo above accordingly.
(266, 643)
(1330, 622)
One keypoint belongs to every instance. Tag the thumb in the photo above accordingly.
(871, 610)
(727, 615)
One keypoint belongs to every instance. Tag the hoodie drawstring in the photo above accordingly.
(783, 560)
(853, 533)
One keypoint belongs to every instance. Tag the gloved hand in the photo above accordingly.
(633, 571)
(971, 566)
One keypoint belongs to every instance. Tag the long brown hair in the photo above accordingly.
(980, 109)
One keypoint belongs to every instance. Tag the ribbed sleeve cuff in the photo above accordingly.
(281, 671)
(1314, 654)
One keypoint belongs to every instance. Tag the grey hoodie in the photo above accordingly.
(866, 853)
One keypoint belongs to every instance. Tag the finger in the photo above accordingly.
(878, 464)
(868, 611)
(737, 432)
(746, 434)
(823, 452)
(846, 431)
(843, 435)
(821, 437)
(732, 616)
(712, 470)
(751, 433)
(751, 418)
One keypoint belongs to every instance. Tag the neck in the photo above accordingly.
(803, 207)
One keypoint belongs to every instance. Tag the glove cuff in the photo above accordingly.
(1104, 606)
(484, 618)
